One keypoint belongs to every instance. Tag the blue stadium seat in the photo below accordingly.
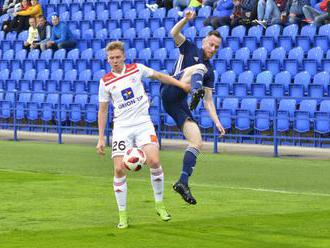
(46, 112)
(38, 85)
(38, 98)
(81, 99)
(47, 54)
(243, 54)
(245, 114)
(24, 85)
(228, 77)
(262, 85)
(224, 33)
(8, 54)
(285, 114)
(263, 114)
(288, 37)
(79, 86)
(16, 74)
(302, 116)
(43, 75)
(68, 64)
(32, 111)
(85, 75)
(71, 75)
(30, 75)
(34, 54)
(245, 80)
(190, 33)
(305, 39)
(4, 74)
(91, 113)
(303, 78)
(52, 98)
(322, 78)
(317, 54)
(54, 65)
(226, 54)
(5, 109)
(278, 54)
(87, 54)
(93, 87)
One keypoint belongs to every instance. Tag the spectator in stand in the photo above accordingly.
(312, 15)
(34, 10)
(212, 3)
(61, 35)
(294, 10)
(221, 15)
(168, 4)
(270, 12)
(243, 14)
(33, 34)
(8, 6)
(18, 23)
(44, 33)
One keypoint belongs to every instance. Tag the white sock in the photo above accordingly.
(120, 188)
(157, 182)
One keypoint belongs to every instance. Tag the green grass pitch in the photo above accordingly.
(61, 196)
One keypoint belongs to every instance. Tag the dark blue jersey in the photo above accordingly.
(190, 55)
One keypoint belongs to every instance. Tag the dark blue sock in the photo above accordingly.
(197, 80)
(189, 162)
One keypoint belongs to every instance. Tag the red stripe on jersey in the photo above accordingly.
(126, 75)
(108, 77)
(130, 67)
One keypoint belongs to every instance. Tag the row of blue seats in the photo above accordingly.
(242, 116)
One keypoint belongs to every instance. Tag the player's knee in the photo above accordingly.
(153, 162)
(198, 144)
(119, 171)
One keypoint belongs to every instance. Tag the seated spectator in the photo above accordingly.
(294, 10)
(312, 15)
(33, 34)
(18, 23)
(61, 35)
(34, 10)
(212, 3)
(44, 33)
(168, 4)
(242, 14)
(269, 12)
(221, 15)
(181, 4)
(8, 6)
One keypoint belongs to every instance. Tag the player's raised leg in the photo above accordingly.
(193, 135)
(120, 189)
(157, 179)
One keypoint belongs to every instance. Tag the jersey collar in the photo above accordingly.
(121, 73)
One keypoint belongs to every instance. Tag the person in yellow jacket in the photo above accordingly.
(34, 10)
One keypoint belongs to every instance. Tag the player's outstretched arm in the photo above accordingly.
(178, 37)
(209, 106)
(166, 79)
(102, 120)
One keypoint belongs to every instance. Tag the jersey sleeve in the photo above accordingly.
(145, 71)
(104, 96)
(209, 79)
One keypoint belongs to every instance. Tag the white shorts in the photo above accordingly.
(126, 137)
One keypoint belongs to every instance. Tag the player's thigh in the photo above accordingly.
(192, 133)
(152, 154)
(186, 77)
(121, 140)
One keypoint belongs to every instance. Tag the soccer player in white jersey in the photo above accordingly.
(132, 123)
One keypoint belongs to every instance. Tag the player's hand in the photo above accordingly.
(100, 148)
(186, 87)
(222, 131)
(190, 14)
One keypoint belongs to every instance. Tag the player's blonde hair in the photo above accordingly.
(115, 45)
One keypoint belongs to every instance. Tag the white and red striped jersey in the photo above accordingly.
(127, 94)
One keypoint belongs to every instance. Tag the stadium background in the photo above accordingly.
(272, 88)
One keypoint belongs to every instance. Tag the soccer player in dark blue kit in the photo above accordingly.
(193, 66)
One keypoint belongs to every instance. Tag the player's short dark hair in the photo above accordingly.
(215, 33)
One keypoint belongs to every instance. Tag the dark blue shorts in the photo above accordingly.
(175, 104)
